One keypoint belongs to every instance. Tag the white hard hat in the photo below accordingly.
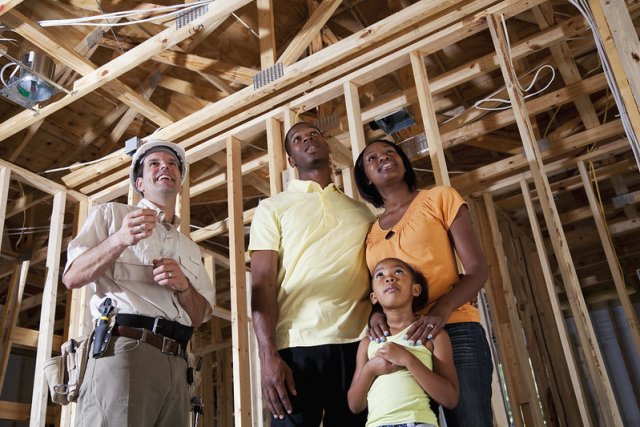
(150, 147)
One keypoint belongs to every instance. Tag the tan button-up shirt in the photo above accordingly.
(129, 282)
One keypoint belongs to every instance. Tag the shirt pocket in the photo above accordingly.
(190, 265)
(129, 268)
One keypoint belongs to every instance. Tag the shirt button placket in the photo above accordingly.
(329, 218)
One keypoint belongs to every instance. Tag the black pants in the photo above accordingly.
(322, 375)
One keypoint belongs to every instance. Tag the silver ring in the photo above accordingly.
(430, 326)
(139, 228)
(170, 275)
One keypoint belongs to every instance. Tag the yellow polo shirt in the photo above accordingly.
(323, 282)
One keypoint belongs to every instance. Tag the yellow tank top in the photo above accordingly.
(397, 398)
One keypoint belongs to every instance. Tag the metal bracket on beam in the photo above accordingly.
(268, 75)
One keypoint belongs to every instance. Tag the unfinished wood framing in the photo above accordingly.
(575, 385)
(525, 169)
(602, 385)
(239, 316)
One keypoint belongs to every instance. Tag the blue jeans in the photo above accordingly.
(472, 358)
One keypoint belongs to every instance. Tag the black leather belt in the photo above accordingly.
(166, 345)
(158, 326)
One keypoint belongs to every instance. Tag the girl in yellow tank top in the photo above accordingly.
(396, 379)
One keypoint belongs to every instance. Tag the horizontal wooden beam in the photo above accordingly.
(28, 338)
(220, 179)
(298, 73)
(15, 411)
(219, 227)
(309, 30)
(67, 56)
(189, 61)
(534, 106)
(117, 67)
(478, 179)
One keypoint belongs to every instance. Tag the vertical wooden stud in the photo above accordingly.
(349, 184)
(9, 314)
(499, 312)
(529, 406)
(239, 318)
(183, 207)
(80, 323)
(133, 198)
(593, 356)
(574, 373)
(615, 25)
(612, 257)
(428, 112)
(210, 266)
(497, 399)
(5, 177)
(47, 315)
(266, 33)
(275, 146)
(354, 117)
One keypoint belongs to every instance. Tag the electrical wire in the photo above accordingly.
(12, 74)
(490, 98)
(87, 20)
(585, 10)
(79, 165)
(31, 230)
(24, 216)
(245, 24)
(478, 103)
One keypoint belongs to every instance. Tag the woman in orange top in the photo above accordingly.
(424, 228)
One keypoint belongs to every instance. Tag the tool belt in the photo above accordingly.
(168, 336)
(65, 373)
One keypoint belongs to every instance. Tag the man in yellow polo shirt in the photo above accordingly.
(310, 289)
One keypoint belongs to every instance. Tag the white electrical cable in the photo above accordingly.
(79, 165)
(4, 83)
(585, 10)
(478, 103)
(490, 98)
(86, 21)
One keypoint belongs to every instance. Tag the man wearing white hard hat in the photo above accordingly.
(151, 290)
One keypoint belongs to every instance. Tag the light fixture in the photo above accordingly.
(394, 122)
(415, 146)
(30, 80)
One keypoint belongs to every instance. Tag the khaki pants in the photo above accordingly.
(134, 385)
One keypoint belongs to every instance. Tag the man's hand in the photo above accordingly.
(378, 328)
(136, 226)
(167, 272)
(277, 383)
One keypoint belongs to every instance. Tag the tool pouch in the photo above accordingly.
(193, 371)
(64, 373)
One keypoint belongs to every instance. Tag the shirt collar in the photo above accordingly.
(299, 186)
(144, 203)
